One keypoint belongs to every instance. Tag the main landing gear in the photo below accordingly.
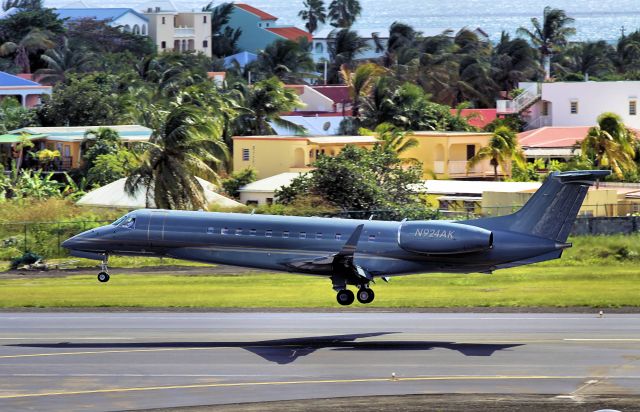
(103, 276)
(346, 297)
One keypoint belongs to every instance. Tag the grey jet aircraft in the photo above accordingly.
(349, 252)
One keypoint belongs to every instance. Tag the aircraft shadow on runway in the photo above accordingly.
(285, 351)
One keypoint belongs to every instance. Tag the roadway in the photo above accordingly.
(123, 360)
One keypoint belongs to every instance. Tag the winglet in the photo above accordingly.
(349, 247)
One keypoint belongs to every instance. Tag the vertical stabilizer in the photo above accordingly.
(551, 211)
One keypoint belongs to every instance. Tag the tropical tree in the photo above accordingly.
(314, 14)
(98, 142)
(594, 58)
(233, 183)
(610, 145)
(502, 150)
(360, 83)
(186, 143)
(513, 61)
(224, 39)
(628, 52)
(343, 13)
(550, 35)
(401, 47)
(22, 4)
(288, 60)
(35, 41)
(264, 101)
(62, 61)
(344, 46)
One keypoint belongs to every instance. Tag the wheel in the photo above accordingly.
(345, 297)
(365, 295)
(103, 277)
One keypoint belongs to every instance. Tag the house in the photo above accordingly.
(568, 104)
(217, 77)
(445, 154)
(552, 143)
(259, 29)
(127, 19)
(272, 155)
(66, 140)
(28, 92)
(262, 192)
(180, 31)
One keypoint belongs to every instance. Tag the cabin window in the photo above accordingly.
(210, 230)
(238, 231)
(574, 107)
(224, 231)
(318, 235)
(338, 236)
(268, 233)
(372, 238)
(633, 107)
(245, 155)
(285, 234)
(303, 235)
(252, 232)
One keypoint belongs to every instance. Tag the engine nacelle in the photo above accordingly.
(442, 238)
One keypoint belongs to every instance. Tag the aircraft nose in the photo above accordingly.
(70, 243)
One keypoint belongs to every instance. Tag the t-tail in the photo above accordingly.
(552, 210)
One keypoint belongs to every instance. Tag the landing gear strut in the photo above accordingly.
(103, 276)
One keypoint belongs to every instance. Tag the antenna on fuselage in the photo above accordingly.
(253, 211)
(371, 216)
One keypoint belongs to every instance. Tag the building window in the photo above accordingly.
(545, 108)
(268, 233)
(163, 45)
(205, 44)
(633, 107)
(574, 107)
(269, 201)
(164, 20)
(204, 19)
(245, 155)
(471, 151)
(303, 235)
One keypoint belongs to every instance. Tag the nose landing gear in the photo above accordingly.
(103, 276)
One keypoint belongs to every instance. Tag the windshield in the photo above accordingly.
(126, 221)
(120, 220)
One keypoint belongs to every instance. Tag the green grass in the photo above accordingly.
(540, 285)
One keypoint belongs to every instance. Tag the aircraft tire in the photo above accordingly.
(345, 297)
(365, 295)
(103, 277)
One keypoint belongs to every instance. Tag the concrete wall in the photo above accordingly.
(606, 225)
(593, 98)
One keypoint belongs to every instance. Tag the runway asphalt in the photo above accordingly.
(122, 361)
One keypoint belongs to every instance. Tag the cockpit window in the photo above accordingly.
(120, 220)
(129, 223)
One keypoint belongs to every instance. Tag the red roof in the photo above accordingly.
(291, 33)
(553, 136)
(339, 94)
(484, 117)
(263, 15)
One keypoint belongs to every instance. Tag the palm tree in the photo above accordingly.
(185, 144)
(343, 13)
(594, 58)
(628, 52)
(610, 145)
(344, 46)
(61, 61)
(402, 38)
(313, 13)
(360, 82)
(550, 35)
(502, 149)
(290, 61)
(34, 41)
(224, 39)
(393, 138)
(263, 102)
(513, 61)
(22, 4)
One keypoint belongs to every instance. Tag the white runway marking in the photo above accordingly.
(602, 340)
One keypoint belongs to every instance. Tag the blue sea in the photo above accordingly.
(594, 19)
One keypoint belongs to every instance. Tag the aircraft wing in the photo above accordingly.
(340, 262)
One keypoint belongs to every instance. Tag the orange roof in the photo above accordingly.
(291, 33)
(263, 15)
(483, 118)
(553, 136)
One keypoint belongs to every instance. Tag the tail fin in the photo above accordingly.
(551, 211)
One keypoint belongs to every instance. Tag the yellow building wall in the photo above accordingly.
(448, 148)
(71, 148)
(269, 157)
(603, 202)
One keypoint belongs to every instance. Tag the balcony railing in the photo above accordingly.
(184, 32)
(522, 102)
(459, 168)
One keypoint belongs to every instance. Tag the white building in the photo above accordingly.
(564, 104)
(127, 19)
